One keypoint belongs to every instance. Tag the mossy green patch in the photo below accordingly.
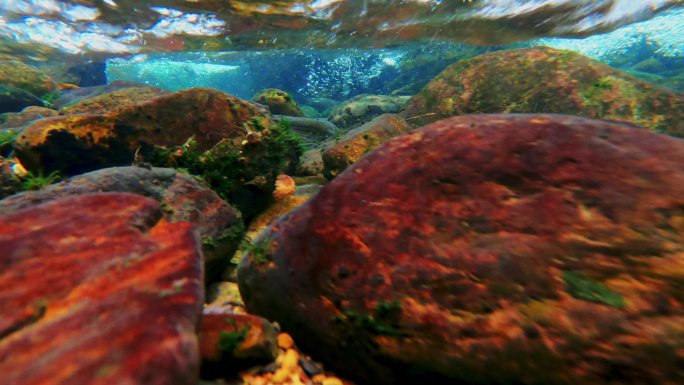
(384, 321)
(258, 250)
(37, 181)
(229, 341)
(583, 287)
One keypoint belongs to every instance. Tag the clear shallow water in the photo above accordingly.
(343, 73)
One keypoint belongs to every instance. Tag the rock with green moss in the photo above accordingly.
(13, 99)
(232, 144)
(546, 80)
(363, 108)
(279, 102)
(17, 74)
(182, 198)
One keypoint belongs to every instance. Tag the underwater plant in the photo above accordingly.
(37, 181)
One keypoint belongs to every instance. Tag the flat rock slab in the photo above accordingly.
(95, 289)
(488, 249)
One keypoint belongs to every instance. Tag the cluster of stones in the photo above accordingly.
(455, 242)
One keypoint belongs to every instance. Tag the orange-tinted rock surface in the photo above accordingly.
(95, 289)
(546, 80)
(360, 141)
(488, 249)
(79, 143)
(230, 340)
(182, 198)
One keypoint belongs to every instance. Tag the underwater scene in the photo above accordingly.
(342, 192)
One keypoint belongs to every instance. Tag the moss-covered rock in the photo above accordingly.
(232, 144)
(278, 102)
(546, 80)
(13, 99)
(17, 74)
(363, 108)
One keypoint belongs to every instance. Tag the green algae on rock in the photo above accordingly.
(13, 99)
(231, 143)
(279, 102)
(546, 80)
(17, 74)
(489, 249)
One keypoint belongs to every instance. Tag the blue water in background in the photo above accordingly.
(339, 74)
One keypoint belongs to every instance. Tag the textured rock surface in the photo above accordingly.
(546, 80)
(27, 115)
(360, 141)
(95, 289)
(498, 249)
(79, 143)
(279, 102)
(17, 74)
(364, 108)
(113, 100)
(182, 198)
(312, 130)
(234, 340)
(311, 162)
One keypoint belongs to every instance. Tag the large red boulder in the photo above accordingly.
(95, 289)
(497, 249)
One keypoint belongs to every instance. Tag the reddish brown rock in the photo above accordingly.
(546, 80)
(360, 141)
(18, 120)
(498, 249)
(230, 340)
(78, 143)
(95, 289)
(182, 198)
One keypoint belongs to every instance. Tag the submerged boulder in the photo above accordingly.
(13, 99)
(364, 108)
(17, 120)
(95, 289)
(279, 102)
(17, 74)
(546, 80)
(182, 198)
(497, 249)
(360, 141)
(232, 144)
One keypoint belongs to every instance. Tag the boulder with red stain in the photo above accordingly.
(498, 249)
(360, 141)
(546, 80)
(229, 340)
(96, 289)
(74, 144)
(182, 198)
